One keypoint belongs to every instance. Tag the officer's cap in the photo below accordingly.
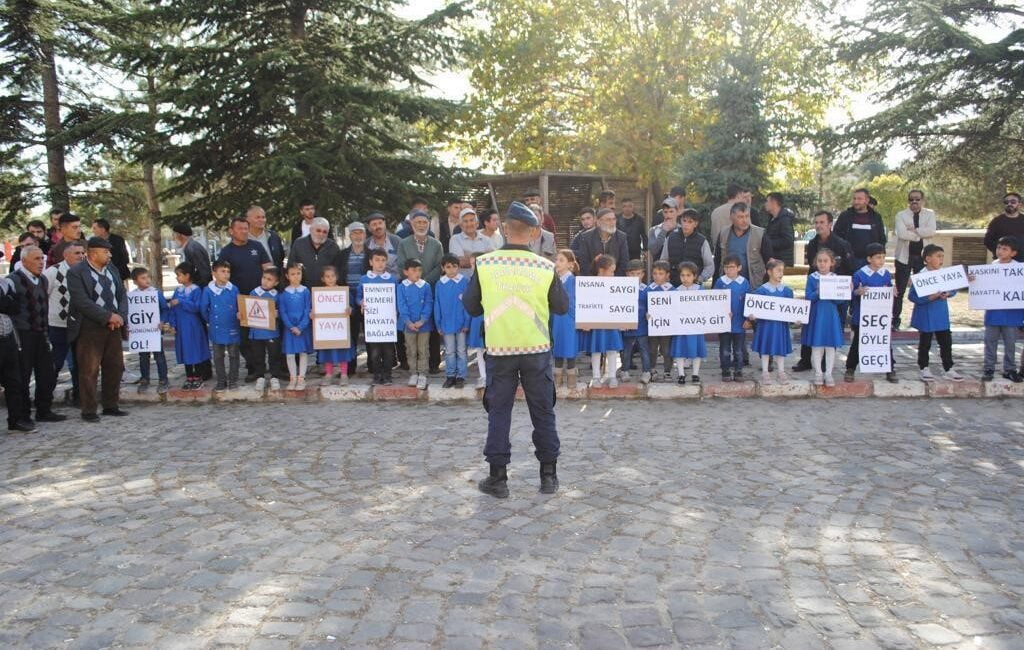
(520, 212)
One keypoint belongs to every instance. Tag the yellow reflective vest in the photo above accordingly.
(514, 288)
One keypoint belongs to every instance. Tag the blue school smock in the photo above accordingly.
(293, 306)
(450, 315)
(415, 302)
(265, 335)
(688, 346)
(475, 339)
(824, 328)
(1004, 317)
(641, 315)
(220, 311)
(191, 344)
(865, 277)
(929, 315)
(565, 343)
(772, 337)
(605, 341)
(737, 289)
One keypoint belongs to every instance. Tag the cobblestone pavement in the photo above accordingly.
(860, 524)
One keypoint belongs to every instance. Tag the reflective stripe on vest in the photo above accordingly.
(514, 291)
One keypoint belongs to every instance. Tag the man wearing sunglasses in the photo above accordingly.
(1010, 223)
(915, 226)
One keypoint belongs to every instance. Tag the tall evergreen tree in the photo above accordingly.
(278, 100)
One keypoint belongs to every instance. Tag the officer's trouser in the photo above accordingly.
(504, 374)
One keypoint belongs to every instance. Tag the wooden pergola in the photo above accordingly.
(563, 195)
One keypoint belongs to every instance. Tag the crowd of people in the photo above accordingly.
(66, 300)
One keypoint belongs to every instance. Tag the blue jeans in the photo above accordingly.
(161, 365)
(730, 350)
(504, 374)
(63, 352)
(456, 363)
(628, 343)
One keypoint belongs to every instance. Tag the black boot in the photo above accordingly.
(496, 484)
(548, 478)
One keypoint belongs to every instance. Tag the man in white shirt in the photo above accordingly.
(915, 226)
(57, 313)
(469, 243)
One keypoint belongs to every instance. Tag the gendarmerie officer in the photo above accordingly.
(516, 291)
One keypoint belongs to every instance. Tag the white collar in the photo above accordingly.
(298, 289)
(568, 274)
(384, 276)
(867, 270)
(1012, 261)
(260, 291)
(217, 290)
(185, 290)
(664, 287)
(34, 279)
(774, 288)
(692, 287)
(445, 279)
(419, 283)
(725, 279)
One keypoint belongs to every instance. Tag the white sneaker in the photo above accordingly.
(625, 376)
(783, 377)
(819, 378)
(953, 375)
(645, 377)
(292, 382)
(275, 383)
(343, 379)
(613, 382)
(654, 376)
(300, 384)
(261, 384)
(766, 378)
(412, 380)
(829, 380)
(421, 382)
(926, 374)
(481, 382)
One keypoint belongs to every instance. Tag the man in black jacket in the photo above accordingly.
(632, 224)
(10, 361)
(605, 239)
(119, 256)
(825, 238)
(860, 225)
(779, 227)
(270, 240)
(307, 212)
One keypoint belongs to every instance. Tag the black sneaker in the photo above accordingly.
(386, 380)
(496, 484)
(460, 382)
(90, 417)
(1012, 375)
(115, 411)
(695, 379)
(849, 376)
(251, 379)
(22, 426)
(892, 378)
(737, 375)
(802, 366)
(682, 380)
(448, 383)
(988, 375)
(727, 375)
(50, 416)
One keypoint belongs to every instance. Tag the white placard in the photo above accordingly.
(875, 331)
(672, 313)
(996, 286)
(330, 301)
(331, 332)
(144, 321)
(835, 287)
(948, 279)
(607, 303)
(787, 310)
(380, 317)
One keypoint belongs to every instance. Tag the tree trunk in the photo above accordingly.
(149, 185)
(297, 19)
(56, 173)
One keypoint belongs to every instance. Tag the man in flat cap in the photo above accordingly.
(99, 308)
(516, 291)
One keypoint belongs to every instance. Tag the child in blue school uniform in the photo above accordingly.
(475, 347)
(605, 343)
(294, 305)
(931, 318)
(565, 343)
(771, 337)
(824, 329)
(219, 308)
(191, 344)
(730, 344)
(415, 302)
(688, 347)
(637, 339)
(380, 357)
(872, 274)
(330, 357)
(265, 345)
(1003, 324)
(452, 321)
(140, 277)
(660, 345)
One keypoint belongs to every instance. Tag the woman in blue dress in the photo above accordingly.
(772, 337)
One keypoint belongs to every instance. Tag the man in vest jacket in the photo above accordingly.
(516, 291)
(688, 245)
(746, 242)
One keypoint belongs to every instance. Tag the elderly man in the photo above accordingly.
(420, 245)
(747, 242)
(247, 258)
(544, 244)
(587, 219)
(99, 308)
(490, 227)
(194, 253)
(469, 243)
(70, 230)
(605, 239)
(119, 256)
(31, 323)
(688, 245)
(381, 239)
(316, 251)
(352, 263)
(58, 309)
(667, 224)
(10, 361)
(915, 226)
(270, 240)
